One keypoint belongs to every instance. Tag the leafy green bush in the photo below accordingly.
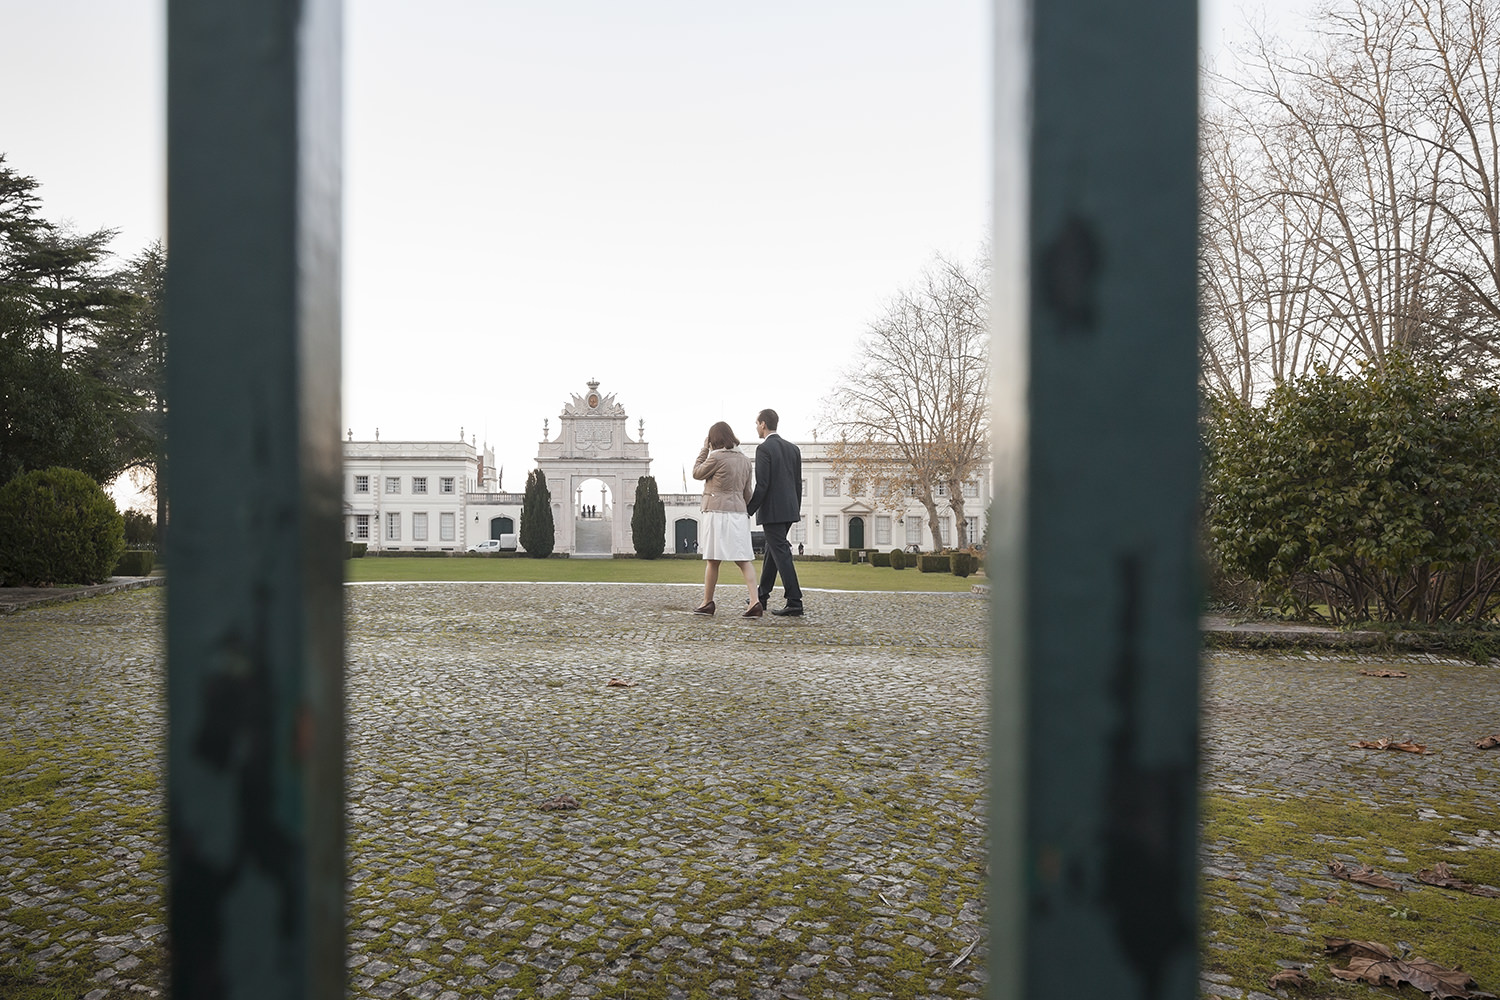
(898, 558)
(57, 526)
(880, 558)
(962, 563)
(1370, 496)
(932, 563)
(135, 562)
(841, 555)
(648, 521)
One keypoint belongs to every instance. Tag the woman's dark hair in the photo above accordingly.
(721, 435)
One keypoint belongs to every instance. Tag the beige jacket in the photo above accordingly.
(726, 475)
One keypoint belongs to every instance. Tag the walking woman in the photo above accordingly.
(726, 527)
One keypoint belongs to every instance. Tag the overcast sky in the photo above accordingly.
(700, 205)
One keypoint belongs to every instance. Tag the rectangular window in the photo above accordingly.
(945, 530)
(971, 531)
(445, 526)
(911, 489)
(882, 529)
(419, 527)
(971, 488)
(804, 489)
(362, 527)
(393, 484)
(799, 530)
(392, 527)
(830, 486)
(361, 484)
(941, 491)
(419, 484)
(831, 531)
(913, 530)
(445, 484)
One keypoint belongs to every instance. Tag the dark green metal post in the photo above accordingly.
(1095, 632)
(255, 620)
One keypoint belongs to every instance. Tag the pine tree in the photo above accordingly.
(537, 533)
(648, 524)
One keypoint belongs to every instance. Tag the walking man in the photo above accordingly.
(777, 505)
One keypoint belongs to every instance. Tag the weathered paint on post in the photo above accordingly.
(1094, 638)
(255, 605)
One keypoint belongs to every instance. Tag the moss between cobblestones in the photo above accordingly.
(1264, 838)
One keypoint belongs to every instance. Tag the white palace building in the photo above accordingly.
(444, 496)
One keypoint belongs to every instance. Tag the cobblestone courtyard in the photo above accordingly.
(776, 808)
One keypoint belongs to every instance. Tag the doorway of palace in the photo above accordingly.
(856, 532)
(593, 518)
(687, 535)
(502, 526)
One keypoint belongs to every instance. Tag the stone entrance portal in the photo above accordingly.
(687, 535)
(593, 444)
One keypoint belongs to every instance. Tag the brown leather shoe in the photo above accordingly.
(756, 610)
(707, 609)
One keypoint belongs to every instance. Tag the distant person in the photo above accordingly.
(799, 548)
(777, 505)
(725, 472)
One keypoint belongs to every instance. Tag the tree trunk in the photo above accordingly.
(961, 540)
(933, 524)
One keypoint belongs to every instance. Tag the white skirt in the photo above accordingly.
(726, 536)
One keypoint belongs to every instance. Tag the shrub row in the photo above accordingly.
(135, 562)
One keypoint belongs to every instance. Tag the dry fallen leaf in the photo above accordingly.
(1489, 742)
(1373, 963)
(1290, 977)
(620, 682)
(1408, 746)
(1364, 875)
(1382, 673)
(559, 802)
(1440, 876)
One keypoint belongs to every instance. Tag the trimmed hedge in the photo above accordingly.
(880, 558)
(356, 550)
(963, 563)
(135, 562)
(57, 526)
(841, 555)
(897, 559)
(934, 564)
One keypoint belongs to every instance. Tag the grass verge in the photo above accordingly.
(815, 575)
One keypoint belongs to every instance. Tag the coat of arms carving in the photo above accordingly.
(593, 438)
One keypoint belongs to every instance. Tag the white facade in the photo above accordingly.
(406, 496)
(834, 518)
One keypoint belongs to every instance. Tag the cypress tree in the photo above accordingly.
(648, 524)
(537, 533)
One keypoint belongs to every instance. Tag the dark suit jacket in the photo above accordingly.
(778, 482)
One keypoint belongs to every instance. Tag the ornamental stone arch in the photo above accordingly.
(593, 442)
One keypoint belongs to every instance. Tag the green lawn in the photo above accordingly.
(818, 575)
